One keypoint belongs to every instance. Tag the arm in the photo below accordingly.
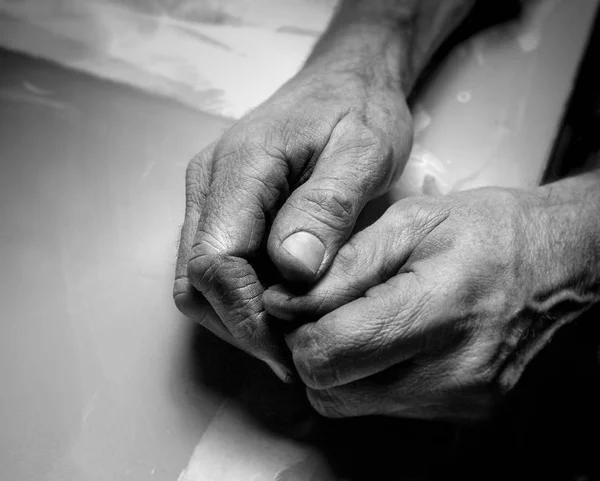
(330, 140)
(572, 207)
(373, 51)
(569, 252)
(391, 39)
(469, 287)
(564, 257)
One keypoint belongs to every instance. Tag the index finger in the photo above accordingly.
(187, 299)
(230, 231)
(364, 337)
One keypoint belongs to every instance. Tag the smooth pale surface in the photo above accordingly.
(97, 381)
(491, 113)
(250, 46)
(489, 116)
(102, 379)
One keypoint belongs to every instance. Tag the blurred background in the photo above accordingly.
(197, 51)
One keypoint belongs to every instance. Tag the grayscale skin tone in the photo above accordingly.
(434, 310)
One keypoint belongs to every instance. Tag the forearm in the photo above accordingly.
(389, 40)
(568, 249)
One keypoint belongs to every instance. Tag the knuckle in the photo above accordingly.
(230, 282)
(347, 257)
(226, 277)
(313, 365)
(192, 304)
(248, 139)
(203, 270)
(361, 139)
(184, 304)
(380, 150)
(180, 287)
(180, 300)
(310, 132)
(352, 260)
(326, 403)
(419, 218)
(424, 213)
(266, 182)
(372, 148)
(235, 149)
(253, 165)
(334, 208)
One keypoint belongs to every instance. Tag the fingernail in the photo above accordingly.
(279, 371)
(306, 248)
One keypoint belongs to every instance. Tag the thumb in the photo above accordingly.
(320, 215)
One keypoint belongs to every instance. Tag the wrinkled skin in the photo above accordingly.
(308, 159)
(431, 312)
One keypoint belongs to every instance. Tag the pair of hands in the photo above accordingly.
(419, 315)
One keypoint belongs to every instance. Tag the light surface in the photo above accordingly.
(102, 379)
(96, 380)
(489, 116)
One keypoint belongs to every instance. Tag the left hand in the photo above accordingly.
(432, 312)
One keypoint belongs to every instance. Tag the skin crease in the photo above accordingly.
(432, 312)
(307, 160)
(339, 143)
(435, 310)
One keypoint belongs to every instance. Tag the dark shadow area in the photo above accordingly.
(578, 137)
(547, 428)
(212, 363)
(373, 211)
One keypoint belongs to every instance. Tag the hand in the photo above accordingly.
(432, 312)
(307, 161)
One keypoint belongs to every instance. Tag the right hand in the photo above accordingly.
(307, 160)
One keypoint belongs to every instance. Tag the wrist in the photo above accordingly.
(558, 264)
(375, 55)
(387, 41)
(565, 243)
